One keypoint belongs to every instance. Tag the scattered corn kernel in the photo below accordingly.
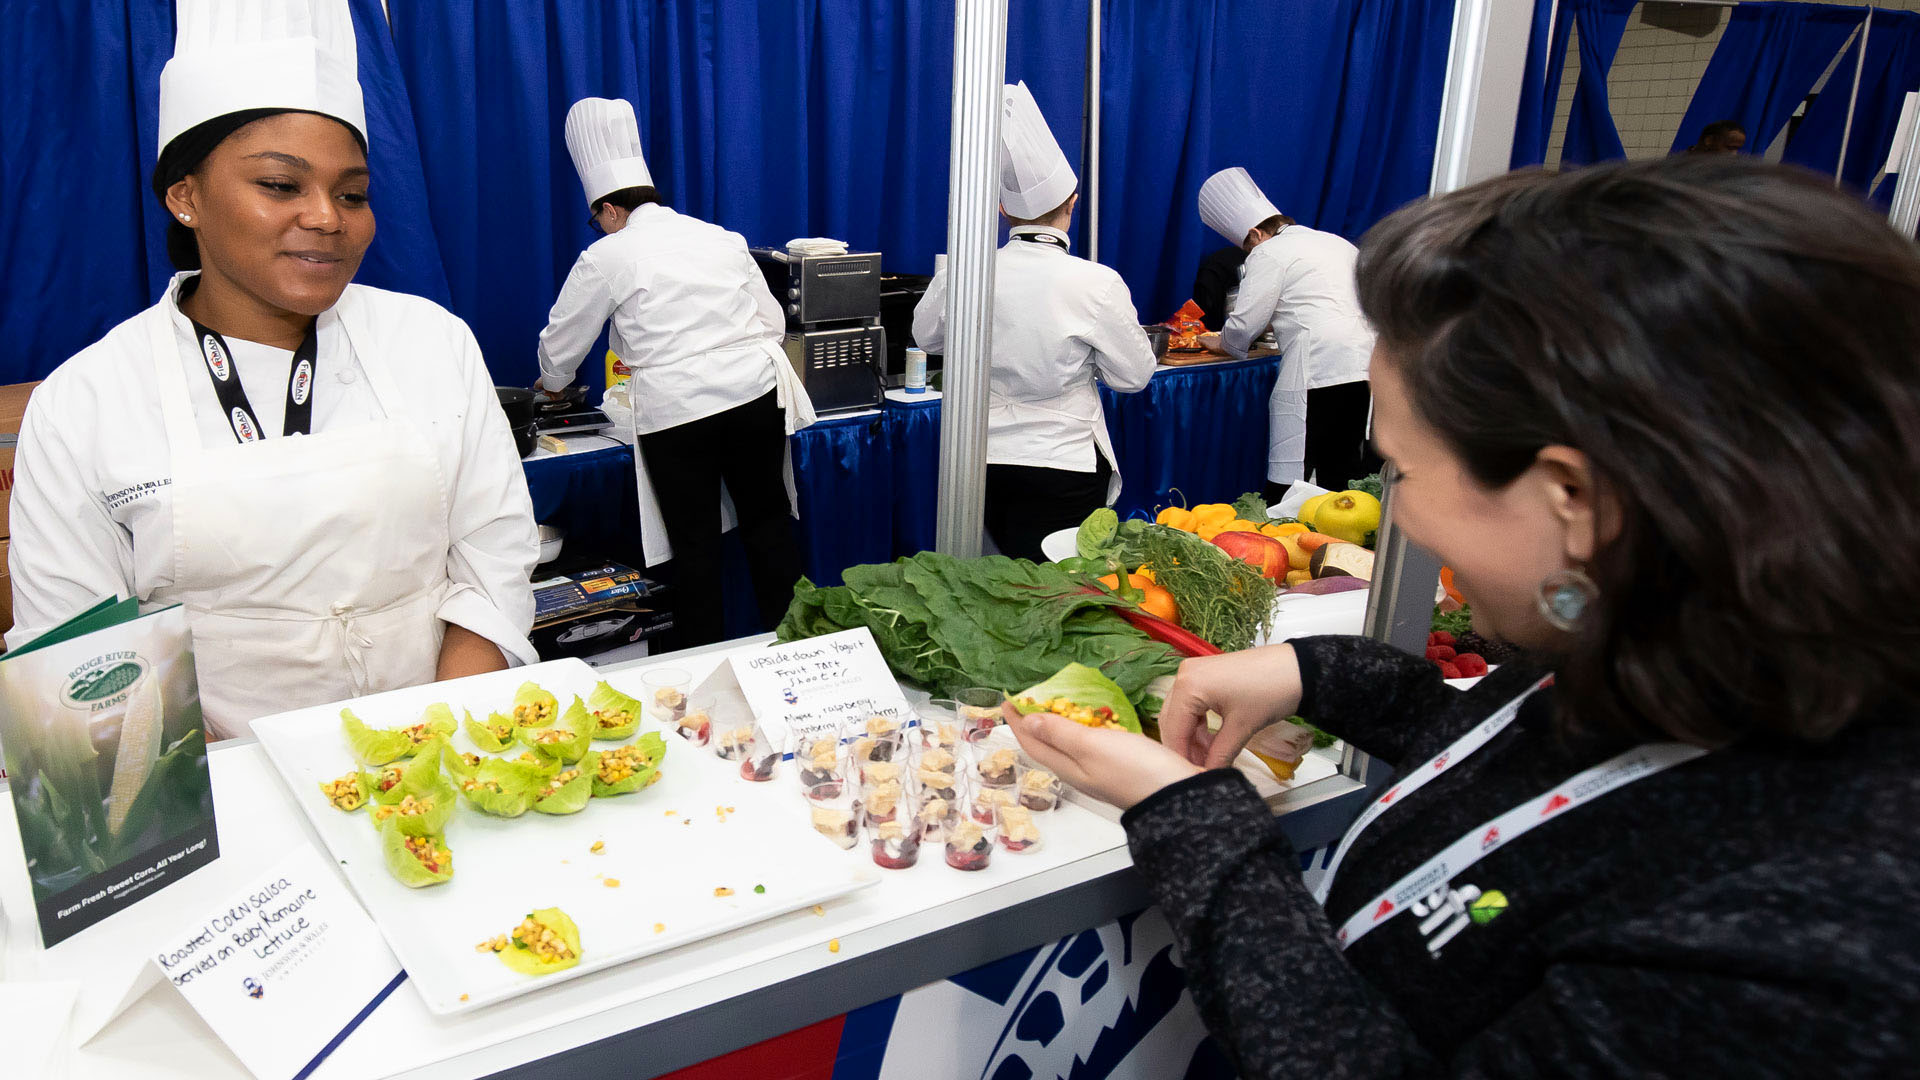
(463, 997)
(834, 945)
(723, 891)
(611, 883)
(598, 846)
(819, 909)
(659, 927)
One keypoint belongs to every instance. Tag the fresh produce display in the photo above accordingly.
(1083, 696)
(946, 623)
(1353, 516)
(1443, 650)
(411, 799)
(1458, 623)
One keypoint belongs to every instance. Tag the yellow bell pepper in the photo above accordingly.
(1177, 517)
(1277, 531)
(1213, 514)
(1238, 525)
(1145, 572)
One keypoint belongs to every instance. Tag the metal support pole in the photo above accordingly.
(979, 71)
(1859, 64)
(1090, 172)
(1904, 214)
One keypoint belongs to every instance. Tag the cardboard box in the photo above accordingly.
(583, 588)
(13, 408)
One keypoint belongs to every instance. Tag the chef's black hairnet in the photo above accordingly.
(184, 154)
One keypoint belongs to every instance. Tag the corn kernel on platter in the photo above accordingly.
(457, 810)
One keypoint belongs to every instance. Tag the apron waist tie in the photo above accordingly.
(353, 645)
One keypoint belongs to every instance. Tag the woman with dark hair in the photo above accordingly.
(1663, 420)
(318, 471)
(714, 396)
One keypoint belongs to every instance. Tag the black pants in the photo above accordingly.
(745, 446)
(1337, 452)
(1025, 503)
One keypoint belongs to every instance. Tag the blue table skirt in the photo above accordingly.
(869, 484)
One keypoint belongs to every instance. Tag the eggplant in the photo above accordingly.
(1342, 560)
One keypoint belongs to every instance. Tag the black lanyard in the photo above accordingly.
(233, 397)
(1042, 238)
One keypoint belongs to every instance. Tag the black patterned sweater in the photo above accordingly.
(1753, 912)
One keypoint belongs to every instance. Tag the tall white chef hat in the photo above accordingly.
(604, 139)
(1232, 204)
(230, 56)
(1035, 177)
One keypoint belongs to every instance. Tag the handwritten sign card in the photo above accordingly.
(283, 969)
(814, 686)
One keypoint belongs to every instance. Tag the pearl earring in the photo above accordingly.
(186, 217)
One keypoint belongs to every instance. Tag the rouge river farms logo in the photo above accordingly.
(103, 682)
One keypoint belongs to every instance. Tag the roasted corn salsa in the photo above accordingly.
(541, 940)
(419, 734)
(610, 719)
(565, 777)
(620, 763)
(1099, 716)
(472, 760)
(476, 784)
(551, 736)
(534, 713)
(389, 777)
(346, 793)
(428, 851)
(501, 731)
(408, 806)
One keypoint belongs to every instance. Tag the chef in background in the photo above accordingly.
(714, 396)
(1059, 324)
(318, 471)
(1299, 281)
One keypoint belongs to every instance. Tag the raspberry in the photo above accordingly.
(1441, 637)
(1470, 664)
(1448, 671)
(1440, 652)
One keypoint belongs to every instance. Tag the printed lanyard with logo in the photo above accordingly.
(233, 397)
(1483, 839)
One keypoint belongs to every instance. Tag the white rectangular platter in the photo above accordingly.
(699, 829)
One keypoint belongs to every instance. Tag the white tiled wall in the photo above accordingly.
(1662, 55)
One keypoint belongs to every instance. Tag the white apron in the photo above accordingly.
(312, 567)
(1287, 423)
(789, 393)
(1079, 404)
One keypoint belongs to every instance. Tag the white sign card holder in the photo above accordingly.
(283, 969)
(814, 686)
(1902, 132)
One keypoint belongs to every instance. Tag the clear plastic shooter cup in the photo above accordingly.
(833, 811)
(663, 694)
(979, 710)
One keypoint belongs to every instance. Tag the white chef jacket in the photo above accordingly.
(692, 317)
(1058, 323)
(92, 516)
(1301, 283)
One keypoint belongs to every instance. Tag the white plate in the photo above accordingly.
(1057, 546)
(668, 864)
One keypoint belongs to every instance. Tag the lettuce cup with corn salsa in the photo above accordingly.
(566, 741)
(546, 941)
(1082, 695)
(615, 715)
(567, 791)
(493, 736)
(629, 768)
(382, 746)
(416, 861)
(534, 707)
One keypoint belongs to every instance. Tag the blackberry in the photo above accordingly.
(1494, 652)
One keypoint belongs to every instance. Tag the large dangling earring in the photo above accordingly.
(1563, 597)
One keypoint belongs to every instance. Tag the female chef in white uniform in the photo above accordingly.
(1299, 281)
(318, 471)
(1059, 323)
(714, 396)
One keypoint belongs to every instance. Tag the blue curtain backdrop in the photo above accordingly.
(1892, 69)
(83, 233)
(1769, 57)
(1540, 83)
(773, 118)
(1332, 107)
(1591, 134)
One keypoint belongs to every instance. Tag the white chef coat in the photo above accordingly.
(692, 317)
(92, 515)
(1059, 322)
(1301, 284)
